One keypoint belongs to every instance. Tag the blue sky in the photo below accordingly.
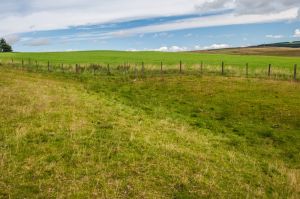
(139, 25)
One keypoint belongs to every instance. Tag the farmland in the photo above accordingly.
(188, 136)
(153, 63)
(152, 58)
(261, 51)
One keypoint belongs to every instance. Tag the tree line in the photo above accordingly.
(4, 46)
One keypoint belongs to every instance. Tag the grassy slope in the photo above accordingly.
(115, 57)
(182, 137)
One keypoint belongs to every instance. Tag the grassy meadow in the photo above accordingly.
(152, 58)
(192, 62)
(66, 135)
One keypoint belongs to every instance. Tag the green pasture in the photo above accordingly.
(66, 135)
(152, 58)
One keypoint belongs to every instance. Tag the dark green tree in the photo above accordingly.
(5, 47)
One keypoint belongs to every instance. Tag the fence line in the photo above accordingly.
(126, 69)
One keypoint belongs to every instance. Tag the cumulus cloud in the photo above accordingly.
(297, 33)
(196, 47)
(170, 49)
(274, 36)
(216, 46)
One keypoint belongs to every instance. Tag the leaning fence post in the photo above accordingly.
(295, 72)
(269, 70)
(222, 67)
(246, 69)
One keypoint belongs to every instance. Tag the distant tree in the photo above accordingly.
(5, 47)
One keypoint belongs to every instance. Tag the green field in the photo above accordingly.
(152, 58)
(192, 63)
(83, 136)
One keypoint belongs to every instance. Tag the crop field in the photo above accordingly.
(70, 135)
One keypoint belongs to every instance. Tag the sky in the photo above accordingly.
(147, 25)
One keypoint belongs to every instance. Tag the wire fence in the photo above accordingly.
(143, 70)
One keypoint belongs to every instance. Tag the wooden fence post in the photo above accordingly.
(201, 67)
(161, 68)
(295, 72)
(135, 72)
(180, 65)
(36, 65)
(222, 67)
(143, 69)
(94, 69)
(62, 68)
(108, 69)
(22, 64)
(269, 70)
(48, 66)
(246, 69)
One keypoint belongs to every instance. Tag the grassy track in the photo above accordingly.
(154, 58)
(63, 135)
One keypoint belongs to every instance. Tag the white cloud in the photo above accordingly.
(12, 39)
(209, 21)
(297, 33)
(132, 50)
(216, 46)
(196, 47)
(243, 7)
(71, 50)
(274, 36)
(170, 49)
(35, 15)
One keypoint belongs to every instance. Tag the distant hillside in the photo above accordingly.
(287, 49)
(294, 44)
